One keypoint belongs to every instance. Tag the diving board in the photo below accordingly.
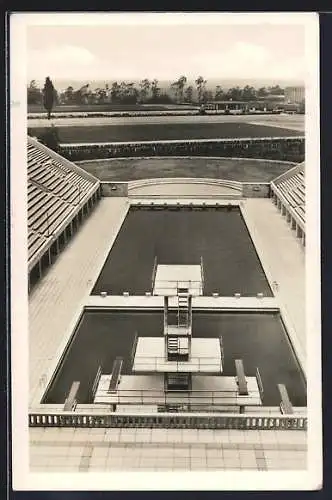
(71, 402)
(115, 375)
(286, 406)
(241, 378)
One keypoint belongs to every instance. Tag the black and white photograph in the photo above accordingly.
(165, 274)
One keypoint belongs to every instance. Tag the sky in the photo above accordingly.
(165, 52)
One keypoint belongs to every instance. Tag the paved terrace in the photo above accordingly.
(56, 301)
(54, 307)
(283, 259)
(98, 450)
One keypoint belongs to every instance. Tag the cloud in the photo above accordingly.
(236, 60)
(247, 60)
(251, 53)
(59, 60)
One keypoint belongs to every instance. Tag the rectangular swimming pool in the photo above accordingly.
(258, 338)
(217, 235)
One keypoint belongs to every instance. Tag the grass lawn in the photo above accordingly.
(88, 108)
(228, 169)
(165, 131)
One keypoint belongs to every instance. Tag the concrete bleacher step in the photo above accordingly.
(54, 192)
(41, 204)
(36, 246)
(46, 212)
(57, 217)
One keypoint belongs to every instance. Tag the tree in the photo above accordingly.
(83, 94)
(115, 92)
(34, 93)
(207, 96)
(248, 93)
(69, 94)
(48, 96)
(200, 84)
(180, 84)
(175, 88)
(234, 94)
(145, 87)
(276, 90)
(155, 89)
(188, 94)
(262, 92)
(219, 94)
(50, 138)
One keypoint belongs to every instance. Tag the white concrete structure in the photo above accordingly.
(169, 278)
(55, 307)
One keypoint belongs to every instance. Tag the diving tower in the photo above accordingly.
(176, 372)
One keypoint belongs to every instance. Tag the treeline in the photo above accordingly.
(150, 92)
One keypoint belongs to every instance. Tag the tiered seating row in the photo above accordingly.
(35, 242)
(56, 177)
(293, 190)
(54, 192)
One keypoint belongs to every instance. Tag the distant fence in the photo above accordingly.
(182, 421)
(271, 148)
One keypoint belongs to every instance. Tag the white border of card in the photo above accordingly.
(237, 480)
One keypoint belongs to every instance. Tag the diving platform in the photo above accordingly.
(204, 303)
(205, 357)
(180, 331)
(205, 391)
(169, 279)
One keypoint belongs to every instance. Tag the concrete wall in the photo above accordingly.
(185, 187)
(273, 148)
(114, 189)
(256, 190)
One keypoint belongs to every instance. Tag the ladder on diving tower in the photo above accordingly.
(172, 346)
(183, 307)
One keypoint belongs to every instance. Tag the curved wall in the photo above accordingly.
(176, 187)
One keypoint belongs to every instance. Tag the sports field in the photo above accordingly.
(99, 108)
(129, 169)
(164, 131)
(183, 236)
(257, 338)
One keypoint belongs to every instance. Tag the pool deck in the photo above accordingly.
(57, 299)
(283, 259)
(54, 307)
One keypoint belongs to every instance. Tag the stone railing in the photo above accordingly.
(174, 421)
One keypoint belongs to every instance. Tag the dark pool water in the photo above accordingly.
(183, 236)
(257, 338)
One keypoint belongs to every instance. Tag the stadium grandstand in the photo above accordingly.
(288, 193)
(169, 334)
(60, 196)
